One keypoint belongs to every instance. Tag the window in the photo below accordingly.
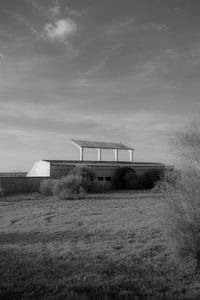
(100, 178)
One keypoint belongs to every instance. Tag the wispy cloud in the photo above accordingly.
(87, 78)
(6, 34)
(60, 30)
(188, 55)
(172, 53)
(40, 9)
(55, 9)
(17, 17)
(161, 27)
(117, 27)
(73, 12)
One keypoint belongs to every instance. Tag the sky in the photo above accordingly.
(104, 70)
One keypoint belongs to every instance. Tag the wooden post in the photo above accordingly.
(81, 153)
(116, 154)
(99, 154)
(131, 155)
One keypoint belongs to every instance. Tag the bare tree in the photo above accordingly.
(186, 144)
(183, 190)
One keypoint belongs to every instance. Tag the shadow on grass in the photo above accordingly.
(79, 276)
(22, 238)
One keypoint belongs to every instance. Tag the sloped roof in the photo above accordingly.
(102, 145)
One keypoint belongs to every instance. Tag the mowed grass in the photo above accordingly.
(107, 246)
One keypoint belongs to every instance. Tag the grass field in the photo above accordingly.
(107, 246)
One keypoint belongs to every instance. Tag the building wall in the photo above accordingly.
(104, 170)
(30, 184)
(41, 168)
(15, 185)
(58, 171)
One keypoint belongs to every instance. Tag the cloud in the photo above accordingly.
(55, 9)
(118, 27)
(87, 78)
(60, 30)
(41, 9)
(178, 9)
(17, 17)
(172, 53)
(73, 12)
(161, 27)
(1, 55)
(5, 34)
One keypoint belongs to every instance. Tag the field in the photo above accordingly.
(108, 246)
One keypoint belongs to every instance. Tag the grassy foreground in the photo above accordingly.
(108, 246)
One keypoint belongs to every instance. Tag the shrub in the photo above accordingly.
(46, 186)
(167, 182)
(69, 187)
(131, 180)
(100, 186)
(150, 178)
(73, 186)
(1, 191)
(124, 178)
(86, 174)
(138, 183)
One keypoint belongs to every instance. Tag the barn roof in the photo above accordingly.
(94, 162)
(101, 145)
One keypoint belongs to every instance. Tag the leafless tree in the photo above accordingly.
(182, 188)
(186, 144)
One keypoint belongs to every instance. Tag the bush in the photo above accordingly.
(125, 178)
(69, 187)
(100, 186)
(86, 174)
(1, 191)
(46, 186)
(150, 178)
(167, 182)
(73, 186)
(131, 180)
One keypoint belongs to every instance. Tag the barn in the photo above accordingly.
(104, 170)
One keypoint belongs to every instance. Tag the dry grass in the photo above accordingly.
(107, 246)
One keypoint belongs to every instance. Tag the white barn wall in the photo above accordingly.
(40, 169)
(57, 169)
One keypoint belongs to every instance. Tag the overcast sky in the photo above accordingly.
(110, 70)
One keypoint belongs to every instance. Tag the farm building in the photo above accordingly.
(104, 170)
